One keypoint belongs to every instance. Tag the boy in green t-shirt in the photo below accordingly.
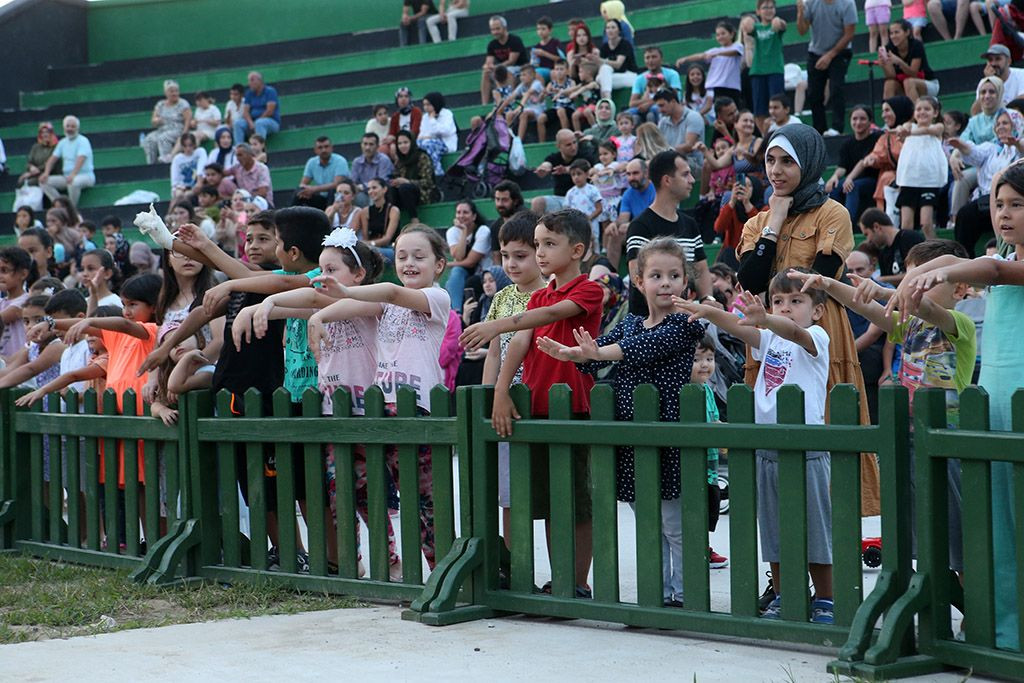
(763, 45)
(939, 348)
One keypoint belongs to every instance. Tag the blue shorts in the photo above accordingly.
(921, 22)
(762, 88)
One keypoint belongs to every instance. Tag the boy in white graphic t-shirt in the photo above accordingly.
(793, 349)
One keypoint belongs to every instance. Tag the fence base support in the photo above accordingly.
(916, 665)
(899, 619)
(436, 604)
(161, 562)
(64, 553)
(884, 594)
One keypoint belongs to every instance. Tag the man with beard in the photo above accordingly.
(508, 201)
(635, 200)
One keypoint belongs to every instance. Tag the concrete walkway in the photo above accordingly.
(375, 644)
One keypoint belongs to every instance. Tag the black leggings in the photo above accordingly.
(972, 223)
(406, 197)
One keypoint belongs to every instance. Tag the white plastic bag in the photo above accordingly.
(138, 197)
(30, 196)
(517, 157)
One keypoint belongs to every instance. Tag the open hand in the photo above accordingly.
(330, 286)
(155, 359)
(29, 398)
(754, 313)
(475, 336)
(241, 328)
(315, 335)
(560, 351)
(215, 296)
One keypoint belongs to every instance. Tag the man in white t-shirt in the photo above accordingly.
(997, 63)
(75, 153)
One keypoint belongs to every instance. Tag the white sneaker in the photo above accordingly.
(361, 569)
(831, 133)
(150, 223)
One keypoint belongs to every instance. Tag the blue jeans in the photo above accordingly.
(262, 126)
(457, 277)
(421, 31)
(863, 188)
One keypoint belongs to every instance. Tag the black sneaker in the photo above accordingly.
(302, 562)
(273, 559)
(768, 596)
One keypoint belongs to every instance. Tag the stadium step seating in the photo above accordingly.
(312, 89)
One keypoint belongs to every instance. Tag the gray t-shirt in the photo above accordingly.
(675, 133)
(827, 22)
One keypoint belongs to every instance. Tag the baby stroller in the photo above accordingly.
(484, 164)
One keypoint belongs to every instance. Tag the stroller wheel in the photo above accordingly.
(481, 190)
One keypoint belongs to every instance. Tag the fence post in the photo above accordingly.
(14, 508)
(203, 481)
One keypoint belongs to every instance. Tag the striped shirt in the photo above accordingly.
(650, 226)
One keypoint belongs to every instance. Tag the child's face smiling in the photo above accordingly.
(606, 156)
(924, 113)
(415, 262)
(797, 306)
(703, 366)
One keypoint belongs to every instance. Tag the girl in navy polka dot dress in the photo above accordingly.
(655, 350)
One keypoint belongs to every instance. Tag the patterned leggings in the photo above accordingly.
(425, 486)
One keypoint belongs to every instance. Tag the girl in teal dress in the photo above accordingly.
(1002, 368)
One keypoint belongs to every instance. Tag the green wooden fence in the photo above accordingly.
(204, 456)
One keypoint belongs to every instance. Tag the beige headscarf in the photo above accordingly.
(614, 9)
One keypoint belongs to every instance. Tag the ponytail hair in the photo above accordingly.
(107, 262)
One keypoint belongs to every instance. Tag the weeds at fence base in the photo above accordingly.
(40, 600)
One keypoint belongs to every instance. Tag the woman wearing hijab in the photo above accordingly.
(604, 127)
(407, 116)
(223, 152)
(804, 228)
(980, 128)
(974, 219)
(413, 182)
(438, 132)
(886, 154)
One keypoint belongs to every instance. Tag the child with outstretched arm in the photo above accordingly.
(793, 349)
(571, 300)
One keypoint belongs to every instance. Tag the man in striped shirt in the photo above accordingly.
(673, 181)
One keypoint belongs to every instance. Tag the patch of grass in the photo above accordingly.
(40, 599)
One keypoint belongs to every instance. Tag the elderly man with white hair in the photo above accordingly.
(75, 154)
(261, 112)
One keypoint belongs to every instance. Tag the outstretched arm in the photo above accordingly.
(479, 334)
(861, 300)
(730, 322)
(387, 293)
(46, 358)
(89, 372)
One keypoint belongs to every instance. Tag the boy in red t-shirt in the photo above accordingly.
(570, 301)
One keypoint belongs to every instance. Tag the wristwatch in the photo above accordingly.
(766, 232)
(709, 298)
(50, 322)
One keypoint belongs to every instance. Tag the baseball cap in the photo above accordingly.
(996, 49)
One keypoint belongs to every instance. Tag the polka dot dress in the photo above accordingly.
(662, 356)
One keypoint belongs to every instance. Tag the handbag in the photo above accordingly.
(30, 196)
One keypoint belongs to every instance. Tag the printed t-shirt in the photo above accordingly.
(541, 371)
(786, 362)
(299, 363)
(512, 44)
(931, 358)
(409, 347)
(347, 360)
(508, 302)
